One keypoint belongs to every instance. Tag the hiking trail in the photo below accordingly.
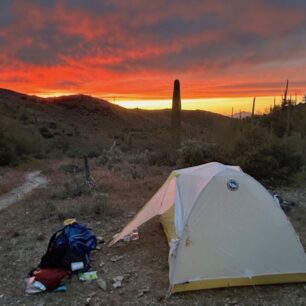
(32, 181)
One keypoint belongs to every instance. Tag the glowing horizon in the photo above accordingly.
(221, 105)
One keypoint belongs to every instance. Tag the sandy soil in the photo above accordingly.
(27, 225)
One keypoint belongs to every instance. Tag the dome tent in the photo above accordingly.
(224, 229)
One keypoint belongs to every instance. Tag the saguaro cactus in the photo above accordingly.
(176, 113)
(284, 100)
(253, 107)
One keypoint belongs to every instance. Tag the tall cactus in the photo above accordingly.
(284, 100)
(176, 114)
(253, 110)
(253, 107)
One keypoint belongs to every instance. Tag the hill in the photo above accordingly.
(270, 147)
(81, 124)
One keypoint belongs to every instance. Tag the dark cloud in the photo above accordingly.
(47, 47)
(94, 7)
(44, 3)
(6, 13)
(176, 27)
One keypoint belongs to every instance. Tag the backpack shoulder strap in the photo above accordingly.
(52, 239)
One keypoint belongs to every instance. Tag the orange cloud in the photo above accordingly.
(136, 48)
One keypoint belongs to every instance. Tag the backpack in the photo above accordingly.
(72, 243)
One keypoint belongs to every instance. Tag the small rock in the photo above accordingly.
(1, 296)
(117, 281)
(118, 278)
(142, 292)
(98, 248)
(100, 239)
(116, 258)
(102, 263)
(88, 301)
(15, 234)
(117, 284)
(40, 237)
(102, 284)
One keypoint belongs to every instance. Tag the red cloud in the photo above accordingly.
(139, 47)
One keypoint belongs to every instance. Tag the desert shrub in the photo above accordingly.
(194, 152)
(59, 147)
(266, 157)
(17, 144)
(7, 153)
(111, 157)
(98, 205)
(162, 157)
(300, 178)
(45, 132)
(73, 188)
(26, 144)
(139, 157)
(71, 168)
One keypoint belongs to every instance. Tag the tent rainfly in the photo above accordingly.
(224, 229)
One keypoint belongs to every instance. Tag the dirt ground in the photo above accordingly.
(27, 225)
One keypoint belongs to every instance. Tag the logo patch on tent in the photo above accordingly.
(232, 185)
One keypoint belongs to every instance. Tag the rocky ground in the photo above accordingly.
(27, 225)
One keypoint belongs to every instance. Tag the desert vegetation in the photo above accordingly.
(130, 154)
(270, 147)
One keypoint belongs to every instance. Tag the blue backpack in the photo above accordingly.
(73, 243)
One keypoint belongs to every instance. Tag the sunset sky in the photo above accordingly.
(130, 51)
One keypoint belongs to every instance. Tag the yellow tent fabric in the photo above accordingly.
(167, 221)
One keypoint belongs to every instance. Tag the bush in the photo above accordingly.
(26, 144)
(193, 152)
(7, 153)
(75, 187)
(111, 157)
(139, 158)
(266, 157)
(7, 150)
(17, 144)
(162, 157)
(97, 207)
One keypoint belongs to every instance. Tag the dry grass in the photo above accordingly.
(144, 262)
(9, 179)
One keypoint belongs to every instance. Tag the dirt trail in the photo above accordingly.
(33, 180)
